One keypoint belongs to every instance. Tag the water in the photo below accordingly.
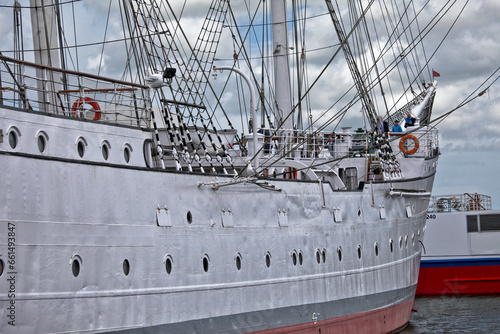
(455, 315)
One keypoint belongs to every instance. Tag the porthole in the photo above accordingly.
(318, 256)
(359, 251)
(126, 267)
(1, 267)
(105, 150)
(339, 253)
(400, 243)
(126, 154)
(75, 267)
(268, 259)
(294, 258)
(41, 143)
(80, 145)
(168, 264)
(13, 139)
(376, 249)
(391, 245)
(359, 213)
(238, 261)
(189, 217)
(413, 239)
(301, 260)
(406, 241)
(206, 262)
(323, 255)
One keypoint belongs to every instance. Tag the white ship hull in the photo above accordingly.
(64, 209)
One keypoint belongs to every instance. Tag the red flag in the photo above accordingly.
(435, 74)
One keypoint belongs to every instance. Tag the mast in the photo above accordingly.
(44, 26)
(281, 65)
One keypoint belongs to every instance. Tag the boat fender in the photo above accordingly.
(86, 100)
(402, 147)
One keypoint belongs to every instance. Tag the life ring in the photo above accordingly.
(87, 100)
(402, 146)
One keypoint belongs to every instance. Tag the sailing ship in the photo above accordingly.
(462, 253)
(132, 203)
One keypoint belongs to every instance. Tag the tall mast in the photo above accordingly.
(44, 26)
(281, 65)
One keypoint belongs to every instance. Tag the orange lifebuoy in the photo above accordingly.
(402, 146)
(87, 100)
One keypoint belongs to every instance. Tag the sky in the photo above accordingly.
(470, 53)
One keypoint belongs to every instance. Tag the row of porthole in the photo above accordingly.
(43, 138)
(297, 258)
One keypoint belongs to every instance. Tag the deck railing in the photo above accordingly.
(460, 202)
(46, 89)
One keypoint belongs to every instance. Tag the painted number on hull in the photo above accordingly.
(431, 216)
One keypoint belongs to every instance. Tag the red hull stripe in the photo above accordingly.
(383, 320)
(483, 279)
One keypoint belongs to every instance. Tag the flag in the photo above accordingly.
(435, 74)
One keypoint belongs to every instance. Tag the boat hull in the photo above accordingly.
(103, 245)
(462, 254)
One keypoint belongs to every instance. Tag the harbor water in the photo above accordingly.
(455, 314)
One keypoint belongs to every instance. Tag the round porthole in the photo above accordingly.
(206, 262)
(268, 259)
(294, 258)
(406, 241)
(126, 154)
(238, 261)
(376, 249)
(359, 251)
(413, 239)
(105, 151)
(1, 267)
(126, 267)
(301, 260)
(359, 213)
(189, 217)
(13, 139)
(168, 264)
(391, 245)
(75, 267)
(339, 253)
(41, 143)
(80, 146)
(323, 255)
(400, 243)
(318, 256)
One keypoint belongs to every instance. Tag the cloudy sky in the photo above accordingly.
(470, 137)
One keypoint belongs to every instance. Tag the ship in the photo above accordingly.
(462, 253)
(132, 203)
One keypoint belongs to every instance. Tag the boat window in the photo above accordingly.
(376, 249)
(42, 140)
(323, 255)
(339, 253)
(80, 145)
(268, 259)
(238, 261)
(206, 262)
(318, 256)
(489, 222)
(1, 267)
(126, 267)
(14, 135)
(75, 267)
(391, 245)
(168, 263)
(359, 251)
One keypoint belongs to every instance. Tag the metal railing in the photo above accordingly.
(46, 89)
(461, 202)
